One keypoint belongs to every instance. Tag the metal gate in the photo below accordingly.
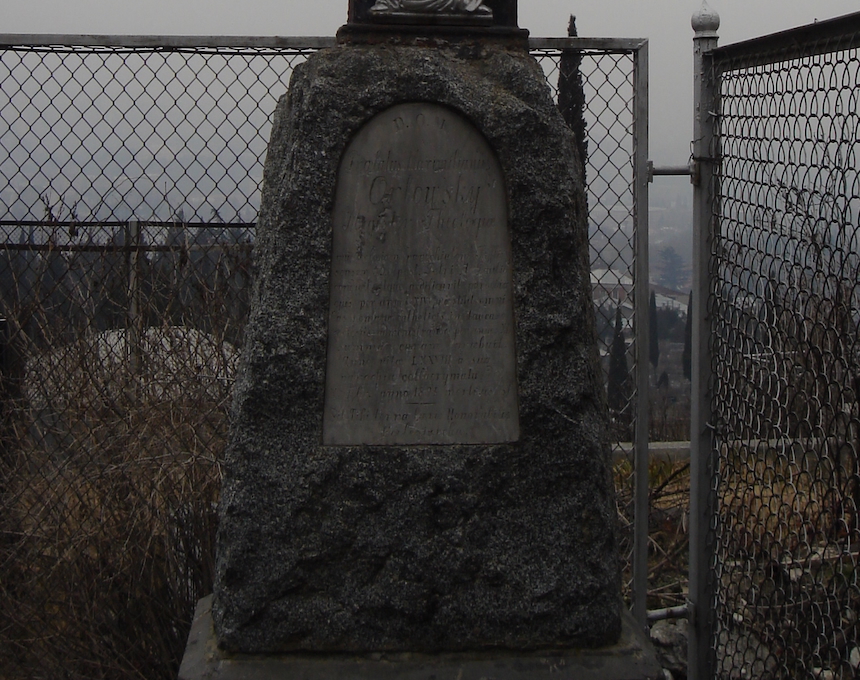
(775, 569)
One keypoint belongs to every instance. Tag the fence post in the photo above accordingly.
(134, 326)
(642, 290)
(701, 655)
(5, 360)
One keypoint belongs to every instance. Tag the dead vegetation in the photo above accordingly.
(107, 520)
(788, 545)
(112, 430)
(668, 536)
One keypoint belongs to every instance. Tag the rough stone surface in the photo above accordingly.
(670, 640)
(631, 658)
(419, 548)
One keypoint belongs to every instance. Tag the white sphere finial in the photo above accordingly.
(705, 22)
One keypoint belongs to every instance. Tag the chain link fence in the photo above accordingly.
(596, 91)
(784, 314)
(129, 189)
(607, 103)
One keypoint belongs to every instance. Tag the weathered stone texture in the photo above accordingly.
(421, 548)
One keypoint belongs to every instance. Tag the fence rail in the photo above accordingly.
(783, 367)
(130, 169)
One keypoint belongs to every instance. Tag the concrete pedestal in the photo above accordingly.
(631, 658)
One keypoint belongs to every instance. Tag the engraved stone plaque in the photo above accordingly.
(421, 327)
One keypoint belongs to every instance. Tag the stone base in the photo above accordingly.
(631, 658)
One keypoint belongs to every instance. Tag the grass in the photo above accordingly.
(668, 536)
(107, 522)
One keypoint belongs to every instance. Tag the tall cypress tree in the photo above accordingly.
(653, 340)
(571, 96)
(687, 357)
(618, 373)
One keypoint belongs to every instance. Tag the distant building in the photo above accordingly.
(611, 289)
(608, 284)
(671, 299)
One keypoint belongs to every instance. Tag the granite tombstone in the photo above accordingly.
(418, 461)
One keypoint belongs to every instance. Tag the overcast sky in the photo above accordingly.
(666, 23)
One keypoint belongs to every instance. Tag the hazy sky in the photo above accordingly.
(666, 23)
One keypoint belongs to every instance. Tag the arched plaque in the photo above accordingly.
(421, 324)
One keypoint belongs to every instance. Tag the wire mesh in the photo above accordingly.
(130, 187)
(608, 98)
(785, 316)
(96, 134)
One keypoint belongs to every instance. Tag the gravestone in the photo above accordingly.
(418, 477)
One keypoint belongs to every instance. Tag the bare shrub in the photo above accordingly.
(668, 535)
(108, 516)
(109, 472)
